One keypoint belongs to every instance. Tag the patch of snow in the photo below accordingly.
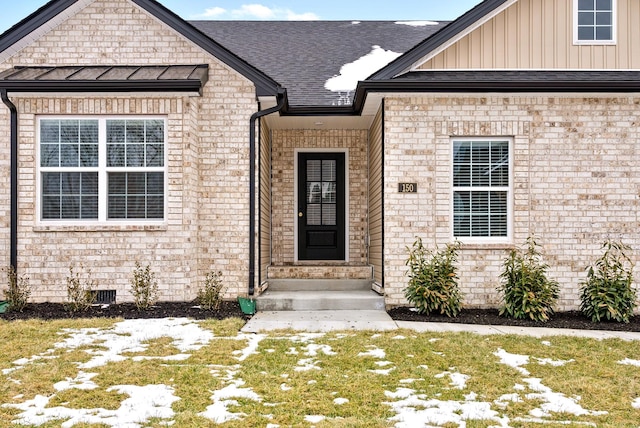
(355, 22)
(218, 412)
(131, 336)
(546, 343)
(636, 403)
(458, 380)
(416, 23)
(504, 400)
(360, 69)
(409, 381)
(144, 403)
(554, 363)
(472, 396)
(629, 362)
(555, 402)
(307, 364)
(385, 372)
(313, 349)
(434, 340)
(415, 411)
(398, 337)
(284, 387)
(374, 352)
(340, 401)
(81, 381)
(383, 363)
(513, 360)
(314, 419)
(253, 341)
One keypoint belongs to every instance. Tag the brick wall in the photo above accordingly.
(575, 182)
(207, 217)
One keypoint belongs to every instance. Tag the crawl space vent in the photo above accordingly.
(105, 297)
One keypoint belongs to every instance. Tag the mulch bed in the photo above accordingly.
(229, 309)
(48, 311)
(574, 320)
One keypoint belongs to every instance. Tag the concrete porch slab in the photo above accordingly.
(319, 321)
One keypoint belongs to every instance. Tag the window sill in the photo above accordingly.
(488, 246)
(101, 228)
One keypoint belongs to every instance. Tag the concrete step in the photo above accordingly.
(354, 300)
(319, 284)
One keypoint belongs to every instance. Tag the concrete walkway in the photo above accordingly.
(319, 321)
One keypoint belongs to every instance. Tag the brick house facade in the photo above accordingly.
(560, 130)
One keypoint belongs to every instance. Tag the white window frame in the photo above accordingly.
(508, 239)
(103, 171)
(614, 26)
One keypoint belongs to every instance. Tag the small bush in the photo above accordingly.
(144, 287)
(18, 291)
(80, 295)
(528, 293)
(210, 296)
(433, 280)
(607, 293)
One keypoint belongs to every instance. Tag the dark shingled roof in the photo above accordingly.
(303, 55)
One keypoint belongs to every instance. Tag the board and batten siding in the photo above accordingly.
(376, 258)
(265, 199)
(538, 34)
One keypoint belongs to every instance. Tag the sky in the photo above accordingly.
(436, 10)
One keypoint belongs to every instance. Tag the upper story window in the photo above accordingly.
(482, 189)
(100, 169)
(595, 21)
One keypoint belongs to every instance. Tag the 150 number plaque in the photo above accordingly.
(407, 187)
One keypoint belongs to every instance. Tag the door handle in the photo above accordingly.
(300, 214)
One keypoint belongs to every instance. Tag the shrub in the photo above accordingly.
(607, 293)
(144, 287)
(528, 293)
(210, 296)
(80, 294)
(18, 291)
(433, 280)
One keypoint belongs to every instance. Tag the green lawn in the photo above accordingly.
(183, 373)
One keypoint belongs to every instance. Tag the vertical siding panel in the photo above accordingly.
(375, 199)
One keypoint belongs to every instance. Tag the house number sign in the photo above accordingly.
(407, 187)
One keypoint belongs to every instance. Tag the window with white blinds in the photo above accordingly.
(99, 169)
(481, 188)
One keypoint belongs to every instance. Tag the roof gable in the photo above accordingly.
(56, 11)
(445, 37)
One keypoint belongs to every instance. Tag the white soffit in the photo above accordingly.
(44, 29)
(462, 35)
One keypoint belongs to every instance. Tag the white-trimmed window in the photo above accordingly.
(481, 189)
(595, 21)
(101, 169)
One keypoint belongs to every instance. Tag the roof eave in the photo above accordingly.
(497, 86)
(79, 86)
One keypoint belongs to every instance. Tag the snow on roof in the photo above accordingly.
(360, 69)
(417, 23)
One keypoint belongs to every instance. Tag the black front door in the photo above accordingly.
(321, 201)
